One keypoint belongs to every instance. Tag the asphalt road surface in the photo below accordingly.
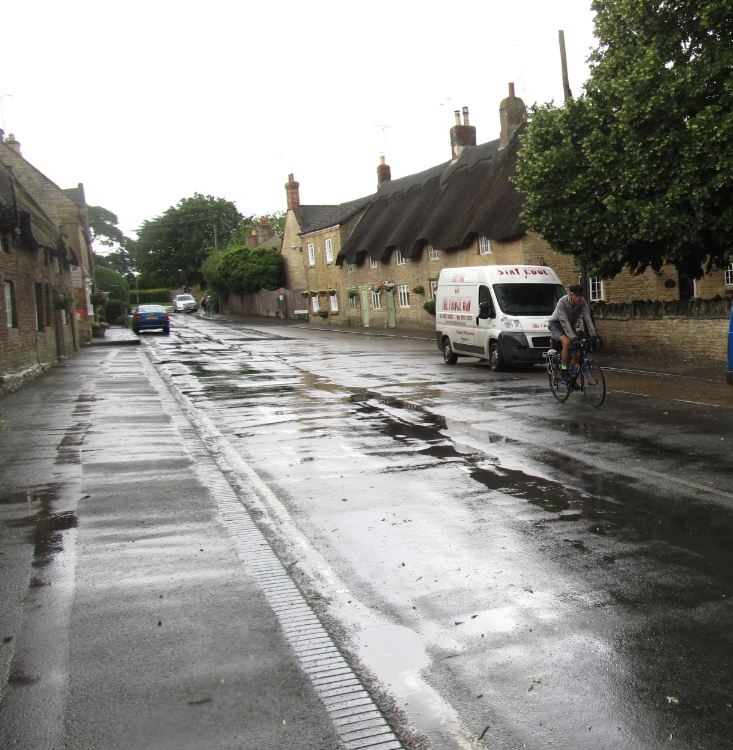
(507, 571)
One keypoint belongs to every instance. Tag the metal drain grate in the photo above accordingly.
(359, 723)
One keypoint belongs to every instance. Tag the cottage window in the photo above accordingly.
(315, 305)
(334, 302)
(311, 254)
(729, 275)
(399, 258)
(596, 288)
(433, 288)
(373, 263)
(329, 250)
(48, 305)
(40, 313)
(354, 303)
(484, 245)
(403, 294)
(376, 301)
(433, 254)
(350, 268)
(11, 310)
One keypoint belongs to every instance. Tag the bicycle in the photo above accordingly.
(591, 383)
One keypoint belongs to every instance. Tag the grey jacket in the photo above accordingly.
(567, 315)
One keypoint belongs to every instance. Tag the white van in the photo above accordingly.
(497, 313)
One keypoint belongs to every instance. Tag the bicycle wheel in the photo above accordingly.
(593, 384)
(560, 389)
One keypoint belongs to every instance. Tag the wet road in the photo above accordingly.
(510, 571)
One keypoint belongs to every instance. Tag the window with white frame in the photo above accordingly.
(376, 301)
(729, 275)
(403, 295)
(595, 288)
(334, 302)
(353, 302)
(399, 258)
(433, 288)
(373, 263)
(11, 316)
(484, 245)
(433, 254)
(315, 305)
(311, 254)
(329, 250)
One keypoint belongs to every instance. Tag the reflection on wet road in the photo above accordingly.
(531, 573)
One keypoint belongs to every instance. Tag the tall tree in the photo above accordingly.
(638, 172)
(171, 248)
(240, 270)
(103, 227)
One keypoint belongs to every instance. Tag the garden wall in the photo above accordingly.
(691, 330)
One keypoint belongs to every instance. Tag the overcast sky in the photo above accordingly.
(146, 103)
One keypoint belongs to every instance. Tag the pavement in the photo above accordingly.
(141, 604)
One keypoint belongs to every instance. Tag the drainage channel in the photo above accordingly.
(358, 721)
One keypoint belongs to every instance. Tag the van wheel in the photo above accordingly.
(496, 361)
(449, 357)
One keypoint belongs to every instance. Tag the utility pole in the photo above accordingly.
(567, 96)
(567, 93)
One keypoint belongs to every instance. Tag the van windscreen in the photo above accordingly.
(528, 299)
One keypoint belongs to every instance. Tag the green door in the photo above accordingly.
(391, 312)
(364, 295)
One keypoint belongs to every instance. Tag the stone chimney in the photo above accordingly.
(384, 173)
(264, 230)
(461, 136)
(15, 145)
(292, 191)
(512, 113)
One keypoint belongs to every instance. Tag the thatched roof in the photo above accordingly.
(445, 206)
(8, 208)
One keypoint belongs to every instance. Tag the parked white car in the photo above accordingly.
(184, 303)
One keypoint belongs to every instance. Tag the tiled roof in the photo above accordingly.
(313, 218)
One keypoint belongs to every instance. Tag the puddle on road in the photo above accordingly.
(548, 495)
(397, 655)
(46, 526)
(597, 502)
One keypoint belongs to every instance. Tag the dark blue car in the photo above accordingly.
(149, 318)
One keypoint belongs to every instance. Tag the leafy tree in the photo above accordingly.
(241, 270)
(119, 260)
(638, 172)
(171, 248)
(103, 227)
(110, 281)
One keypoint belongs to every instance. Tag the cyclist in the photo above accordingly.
(568, 311)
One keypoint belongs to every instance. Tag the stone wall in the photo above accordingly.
(697, 329)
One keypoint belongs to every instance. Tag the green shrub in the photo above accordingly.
(152, 296)
(429, 306)
(115, 311)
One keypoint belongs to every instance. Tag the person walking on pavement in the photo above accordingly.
(568, 311)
